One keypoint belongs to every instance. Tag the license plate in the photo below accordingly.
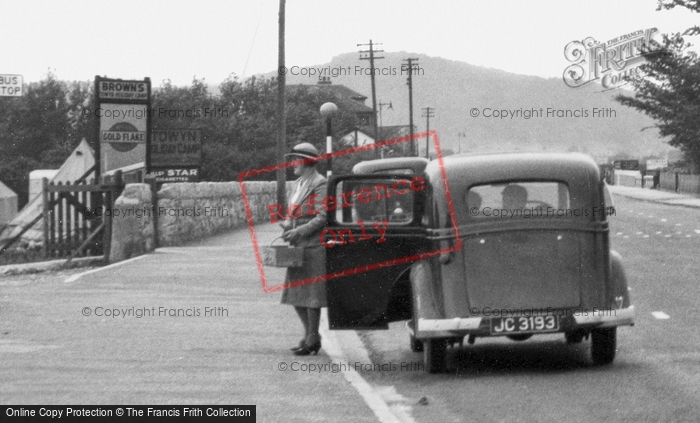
(508, 325)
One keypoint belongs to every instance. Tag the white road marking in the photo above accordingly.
(182, 250)
(639, 233)
(688, 236)
(678, 224)
(660, 315)
(658, 232)
(697, 231)
(374, 400)
(667, 236)
(619, 233)
(664, 220)
(646, 236)
(626, 236)
(79, 275)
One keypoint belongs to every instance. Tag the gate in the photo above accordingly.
(77, 218)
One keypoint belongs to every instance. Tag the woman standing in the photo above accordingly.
(308, 191)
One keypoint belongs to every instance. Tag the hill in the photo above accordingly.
(543, 114)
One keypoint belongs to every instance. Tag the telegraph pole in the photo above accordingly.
(281, 112)
(381, 107)
(371, 57)
(427, 114)
(409, 66)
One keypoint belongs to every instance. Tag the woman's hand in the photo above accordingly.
(291, 236)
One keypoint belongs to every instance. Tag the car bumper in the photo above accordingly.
(458, 326)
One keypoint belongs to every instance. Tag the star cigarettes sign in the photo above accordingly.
(176, 155)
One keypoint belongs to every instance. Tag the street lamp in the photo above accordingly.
(327, 111)
(459, 140)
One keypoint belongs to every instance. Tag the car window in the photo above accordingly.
(519, 200)
(381, 200)
(395, 171)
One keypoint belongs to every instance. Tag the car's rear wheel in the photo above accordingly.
(603, 345)
(416, 344)
(434, 351)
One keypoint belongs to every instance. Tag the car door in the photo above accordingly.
(372, 237)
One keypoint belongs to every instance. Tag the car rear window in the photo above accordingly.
(395, 171)
(516, 200)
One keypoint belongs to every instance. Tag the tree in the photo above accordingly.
(668, 90)
(40, 129)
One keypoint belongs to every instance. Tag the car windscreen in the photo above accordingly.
(519, 200)
(377, 200)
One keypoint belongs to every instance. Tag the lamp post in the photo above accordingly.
(327, 111)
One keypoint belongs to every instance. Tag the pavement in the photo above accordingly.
(656, 196)
(51, 265)
(183, 325)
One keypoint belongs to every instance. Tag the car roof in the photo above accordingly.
(473, 169)
(417, 164)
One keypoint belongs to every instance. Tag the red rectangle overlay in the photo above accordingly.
(359, 269)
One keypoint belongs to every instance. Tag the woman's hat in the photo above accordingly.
(305, 150)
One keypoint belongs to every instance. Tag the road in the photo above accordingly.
(52, 353)
(655, 377)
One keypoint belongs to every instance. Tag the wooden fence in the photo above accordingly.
(681, 183)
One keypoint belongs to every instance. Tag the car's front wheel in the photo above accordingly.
(603, 345)
(434, 351)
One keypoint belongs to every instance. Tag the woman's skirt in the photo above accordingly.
(312, 293)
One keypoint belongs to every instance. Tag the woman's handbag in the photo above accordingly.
(282, 255)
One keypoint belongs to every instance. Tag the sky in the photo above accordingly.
(212, 39)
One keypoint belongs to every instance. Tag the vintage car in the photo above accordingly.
(476, 246)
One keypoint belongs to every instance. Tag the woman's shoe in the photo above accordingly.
(298, 347)
(308, 349)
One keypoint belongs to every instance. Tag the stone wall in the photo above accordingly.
(132, 223)
(190, 211)
(185, 212)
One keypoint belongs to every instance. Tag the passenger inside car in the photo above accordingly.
(514, 197)
(473, 203)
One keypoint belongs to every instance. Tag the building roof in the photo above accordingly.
(350, 100)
